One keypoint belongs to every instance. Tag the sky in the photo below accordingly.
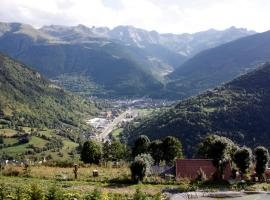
(164, 16)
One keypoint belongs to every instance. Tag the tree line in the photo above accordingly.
(146, 153)
(167, 150)
(223, 151)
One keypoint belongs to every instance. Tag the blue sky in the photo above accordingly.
(175, 16)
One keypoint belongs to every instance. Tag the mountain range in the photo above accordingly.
(122, 62)
(238, 110)
(215, 66)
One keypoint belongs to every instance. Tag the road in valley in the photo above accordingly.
(103, 136)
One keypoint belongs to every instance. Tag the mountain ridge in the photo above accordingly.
(107, 65)
(238, 110)
(215, 66)
(28, 99)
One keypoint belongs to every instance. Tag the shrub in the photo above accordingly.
(2, 191)
(36, 193)
(242, 157)
(19, 193)
(139, 195)
(117, 196)
(262, 159)
(140, 167)
(95, 195)
(55, 193)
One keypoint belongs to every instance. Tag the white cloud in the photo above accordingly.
(162, 15)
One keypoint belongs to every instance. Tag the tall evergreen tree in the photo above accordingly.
(172, 148)
(156, 151)
(262, 159)
(243, 158)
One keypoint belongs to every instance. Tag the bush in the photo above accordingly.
(36, 193)
(140, 167)
(262, 159)
(95, 195)
(55, 193)
(19, 194)
(2, 192)
(139, 195)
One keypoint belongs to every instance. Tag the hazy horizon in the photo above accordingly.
(171, 16)
(89, 26)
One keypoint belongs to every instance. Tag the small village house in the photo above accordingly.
(188, 168)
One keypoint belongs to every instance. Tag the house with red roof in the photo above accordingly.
(189, 168)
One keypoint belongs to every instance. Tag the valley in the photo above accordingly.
(121, 113)
(124, 113)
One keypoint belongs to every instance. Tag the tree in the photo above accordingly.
(219, 149)
(114, 150)
(262, 159)
(106, 151)
(140, 167)
(242, 157)
(91, 152)
(141, 145)
(172, 148)
(156, 151)
(117, 150)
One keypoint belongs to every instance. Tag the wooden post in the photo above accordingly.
(75, 170)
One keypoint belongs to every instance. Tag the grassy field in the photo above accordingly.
(111, 181)
(7, 132)
(37, 142)
(116, 180)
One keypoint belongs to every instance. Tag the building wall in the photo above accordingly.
(188, 168)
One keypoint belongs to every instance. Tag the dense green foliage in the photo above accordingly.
(115, 150)
(91, 152)
(141, 145)
(262, 159)
(238, 110)
(172, 148)
(219, 149)
(167, 149)
(242, 157)
(156, 151)
(140, 167)
(27, 99)
(56, 191)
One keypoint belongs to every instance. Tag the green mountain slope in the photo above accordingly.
(27, 99)
(220, 64)
(238, 110)
(109, 67)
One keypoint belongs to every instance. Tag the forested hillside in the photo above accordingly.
(238, 110)
(28, 99)
(215, 66)
(118, 63)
